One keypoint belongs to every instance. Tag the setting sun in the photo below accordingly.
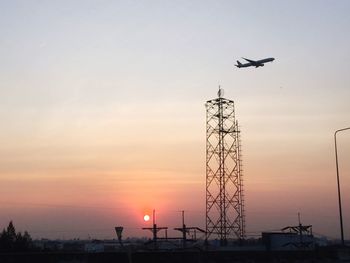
(146, 218)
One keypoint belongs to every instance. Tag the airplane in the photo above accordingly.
(254, 63)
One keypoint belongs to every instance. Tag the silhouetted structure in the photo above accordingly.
(224, 184)
(155, 229)
(290, 238)
(119, 231)
(188, 230)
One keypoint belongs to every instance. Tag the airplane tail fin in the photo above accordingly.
(239, 64)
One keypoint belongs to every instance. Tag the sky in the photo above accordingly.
(103, 116)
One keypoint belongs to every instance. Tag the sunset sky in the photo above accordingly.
(103, 118)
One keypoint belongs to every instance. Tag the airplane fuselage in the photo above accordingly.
(266, 60)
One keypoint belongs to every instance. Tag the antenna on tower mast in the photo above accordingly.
(220, 92)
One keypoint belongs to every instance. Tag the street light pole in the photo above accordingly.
(338, 183)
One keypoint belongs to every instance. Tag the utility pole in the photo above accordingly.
(338, 185)
(154, 229)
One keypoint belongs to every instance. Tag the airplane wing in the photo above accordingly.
(249, 60)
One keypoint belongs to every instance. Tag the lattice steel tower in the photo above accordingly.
(224, 184)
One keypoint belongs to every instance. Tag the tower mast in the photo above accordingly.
(224, 183)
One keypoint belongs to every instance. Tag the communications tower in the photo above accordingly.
(224, 183)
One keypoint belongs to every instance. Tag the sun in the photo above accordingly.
(146, 218)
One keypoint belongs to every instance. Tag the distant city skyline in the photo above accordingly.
(103, 117)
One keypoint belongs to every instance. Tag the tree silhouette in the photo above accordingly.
(10, 241)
